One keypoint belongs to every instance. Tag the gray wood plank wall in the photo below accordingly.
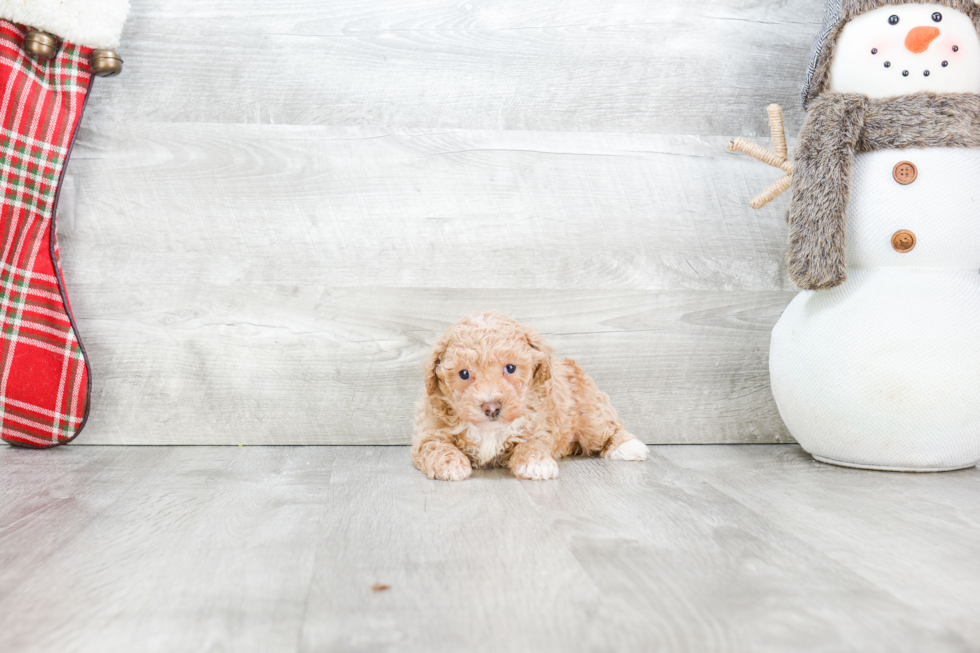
(280, 206)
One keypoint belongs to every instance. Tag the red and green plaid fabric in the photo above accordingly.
(44, 381)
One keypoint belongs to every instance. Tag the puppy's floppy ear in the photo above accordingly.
(432, 364)
(543, 370)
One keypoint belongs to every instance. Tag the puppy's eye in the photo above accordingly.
(937, 16)
(893, 20)
(464, 374)
(510, 369)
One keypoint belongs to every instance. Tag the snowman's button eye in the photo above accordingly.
(888, 64)
(893, 20)
(905, 73)
(945, 63)
(874, 50)
(937, 16)
(956, 48)
(926, 73)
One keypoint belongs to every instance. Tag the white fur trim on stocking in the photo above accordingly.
(92, 23)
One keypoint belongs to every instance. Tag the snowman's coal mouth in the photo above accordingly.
(925, 73)
(906, 73)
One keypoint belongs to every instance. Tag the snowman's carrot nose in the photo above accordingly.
(919, 38)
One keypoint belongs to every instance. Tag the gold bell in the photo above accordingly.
(105, 63)
(40, 44)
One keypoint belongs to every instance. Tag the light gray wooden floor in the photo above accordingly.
(280, 206)
(701, 548)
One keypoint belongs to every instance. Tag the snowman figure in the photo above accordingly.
(876, 364)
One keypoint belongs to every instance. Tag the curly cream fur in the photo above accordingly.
(549, 407)
(837, 127)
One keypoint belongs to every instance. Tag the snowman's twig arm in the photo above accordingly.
(778, 130)
(764, 155)
(778, 159)
(772, 192)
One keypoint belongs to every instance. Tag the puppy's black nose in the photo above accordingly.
(492, 409)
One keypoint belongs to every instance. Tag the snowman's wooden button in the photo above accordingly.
(905, 172)
(903, 241)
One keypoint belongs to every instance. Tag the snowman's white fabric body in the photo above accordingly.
(882, 369)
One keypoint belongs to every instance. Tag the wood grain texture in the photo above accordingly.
(139, 544)
(330, 365)
(338, 207)
(270, 232)
(897, 522)
(699, 549)
(624, 66)
(271, 300)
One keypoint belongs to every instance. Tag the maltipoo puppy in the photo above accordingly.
(496, 396)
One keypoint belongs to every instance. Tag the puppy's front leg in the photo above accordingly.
(439, 459)
(533, 460)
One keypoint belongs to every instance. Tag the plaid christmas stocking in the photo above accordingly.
(44, 82)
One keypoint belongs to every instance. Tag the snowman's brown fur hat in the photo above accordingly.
(839, 13)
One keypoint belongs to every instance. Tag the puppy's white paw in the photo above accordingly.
(629, 450)
(454, 469)
(542, 469)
